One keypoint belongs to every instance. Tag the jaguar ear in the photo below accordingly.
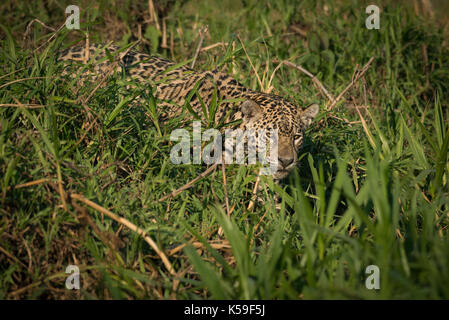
(309, 114)
(250, 109)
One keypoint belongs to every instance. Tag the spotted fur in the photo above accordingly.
(173, 83)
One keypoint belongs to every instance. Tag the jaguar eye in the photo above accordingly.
(298, 140)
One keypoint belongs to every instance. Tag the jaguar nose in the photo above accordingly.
(285, 162)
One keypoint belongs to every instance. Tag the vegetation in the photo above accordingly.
(371, 189)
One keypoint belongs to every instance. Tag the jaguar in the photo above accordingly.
(175, 83)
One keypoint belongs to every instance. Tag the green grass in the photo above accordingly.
(371, 192)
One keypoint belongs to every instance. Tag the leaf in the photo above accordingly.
(117, 109)
(441, 164)
(314, 43)
(153, 34)
(416, 148)
(313, 63)
(211, 279)
(41, 130)
(439, 121)
(418, 121)
(11, 43)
